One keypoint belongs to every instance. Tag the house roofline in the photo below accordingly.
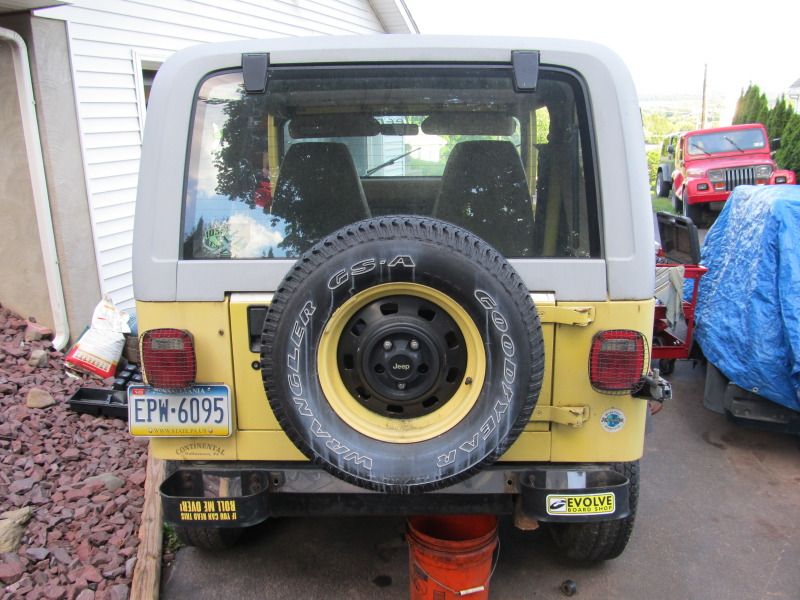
(394, 16)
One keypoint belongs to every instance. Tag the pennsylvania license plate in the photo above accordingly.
(200, 410)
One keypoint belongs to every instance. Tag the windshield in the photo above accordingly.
(740, 140)
(271, 174)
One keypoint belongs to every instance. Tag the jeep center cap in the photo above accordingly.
(401, 367)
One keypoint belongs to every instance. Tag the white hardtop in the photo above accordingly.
(625, 271)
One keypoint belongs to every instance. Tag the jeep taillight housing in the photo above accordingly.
(617, 361)
(167, 357)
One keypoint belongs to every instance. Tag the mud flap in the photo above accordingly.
(575, 496)
(194, 498)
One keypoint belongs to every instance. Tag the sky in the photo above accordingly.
(664, 44)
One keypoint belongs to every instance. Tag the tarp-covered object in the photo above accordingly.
(748, 308)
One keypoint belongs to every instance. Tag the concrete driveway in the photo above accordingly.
(719, 517)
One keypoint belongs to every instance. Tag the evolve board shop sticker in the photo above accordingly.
(612, 420)
(581, 504)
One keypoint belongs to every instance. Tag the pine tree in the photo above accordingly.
(737, 114)
(752, 107)
(788, 155)
(778, 117)
(762, 116)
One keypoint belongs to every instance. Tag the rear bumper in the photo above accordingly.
(244, 494)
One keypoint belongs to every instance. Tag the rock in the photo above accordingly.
(37, 553)
(35, 332)
(130, 564)
(21, 485)
(15, 350)
(118, 592)
(10, 572)
(38, 358)
(54, 592)
(38, 398)
(12, 526)
(138, 478)
(111, 482)
(71, 454)
(113, 573)
(91, 574)
(85, 595)
(61, 555)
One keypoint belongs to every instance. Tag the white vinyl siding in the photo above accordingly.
(105, 39)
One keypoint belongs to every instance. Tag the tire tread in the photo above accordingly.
(603, 540)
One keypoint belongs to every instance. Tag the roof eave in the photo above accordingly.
(394, 16)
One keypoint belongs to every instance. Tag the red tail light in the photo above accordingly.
(617, 360)
(168, 358)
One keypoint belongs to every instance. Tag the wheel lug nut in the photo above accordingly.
(401, 385)
(387, 345)
(414, 345)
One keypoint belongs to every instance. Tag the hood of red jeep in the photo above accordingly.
(728, 160)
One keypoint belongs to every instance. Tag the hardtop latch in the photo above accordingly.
(255, 72)
(526, 69)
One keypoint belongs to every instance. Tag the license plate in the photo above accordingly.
(201, 410)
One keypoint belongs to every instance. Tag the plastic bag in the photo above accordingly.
(99, 348)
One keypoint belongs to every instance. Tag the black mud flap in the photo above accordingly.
(194, 498)
(561, 495)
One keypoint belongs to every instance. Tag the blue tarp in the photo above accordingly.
(748, 307)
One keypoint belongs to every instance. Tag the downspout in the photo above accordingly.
(41, 199)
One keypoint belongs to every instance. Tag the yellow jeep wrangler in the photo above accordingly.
(396, 275)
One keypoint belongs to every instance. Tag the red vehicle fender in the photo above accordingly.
(789, 175)
(677, 182)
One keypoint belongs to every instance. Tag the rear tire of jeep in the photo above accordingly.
(662, 187)
(677, 205)
(602, 540)
(697, 213)
(402, 354)
(209, 538)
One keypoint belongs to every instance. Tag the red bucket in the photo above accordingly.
(451, 556)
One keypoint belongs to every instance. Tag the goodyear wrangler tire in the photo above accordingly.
(402, 354)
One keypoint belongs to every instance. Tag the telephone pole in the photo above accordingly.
(703, 108)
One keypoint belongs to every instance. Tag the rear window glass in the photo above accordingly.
(271, 174)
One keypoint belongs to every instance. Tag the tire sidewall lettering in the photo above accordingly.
(479, 438)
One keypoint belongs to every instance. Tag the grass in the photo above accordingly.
(171, 542)
(662, 204)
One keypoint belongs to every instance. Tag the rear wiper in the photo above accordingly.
(391, 161)
(732, 143)
(693, 144)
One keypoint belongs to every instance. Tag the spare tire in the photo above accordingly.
(402, 354)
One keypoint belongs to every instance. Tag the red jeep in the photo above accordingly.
(709, 163)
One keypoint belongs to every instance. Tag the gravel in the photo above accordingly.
(83, 476)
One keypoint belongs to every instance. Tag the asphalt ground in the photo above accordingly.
(719, 517)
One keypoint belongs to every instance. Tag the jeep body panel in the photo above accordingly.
(219, 330)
